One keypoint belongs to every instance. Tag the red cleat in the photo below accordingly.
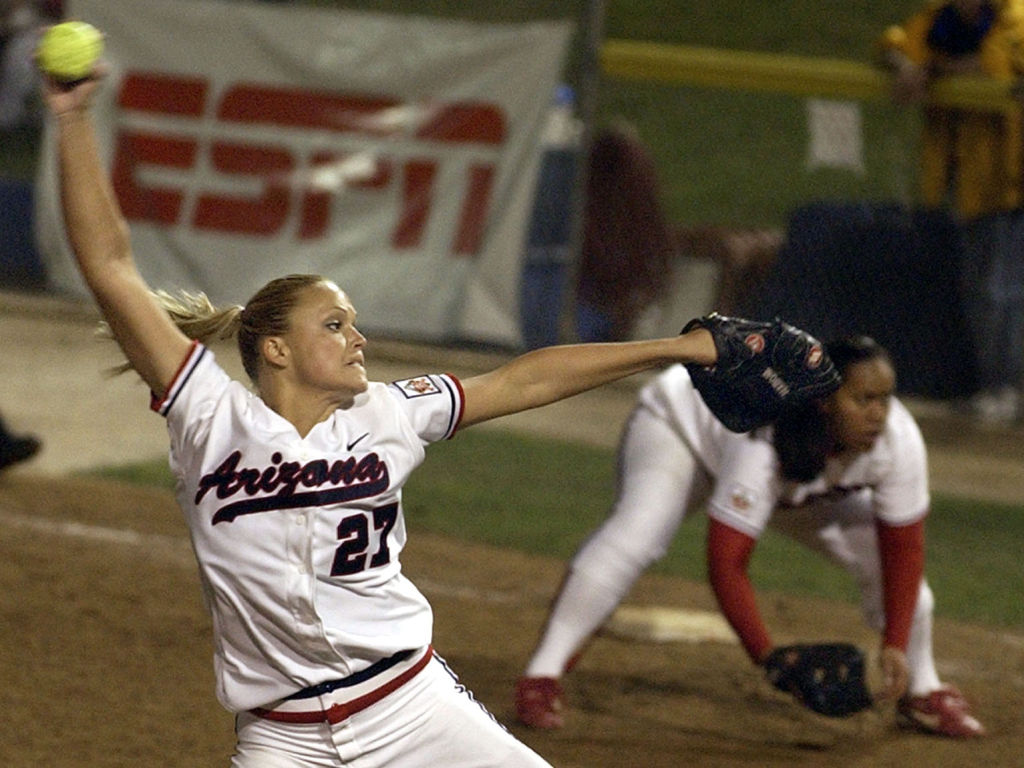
(943, 712)
(539, 702)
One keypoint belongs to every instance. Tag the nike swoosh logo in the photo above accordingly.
(355, 442)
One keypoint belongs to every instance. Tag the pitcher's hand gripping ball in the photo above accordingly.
(762, 367)
(827, 678)
(68, 51)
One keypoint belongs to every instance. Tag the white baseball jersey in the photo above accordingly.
(748, 488)
(298, 539)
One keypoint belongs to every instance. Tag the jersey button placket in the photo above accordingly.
(300, 597)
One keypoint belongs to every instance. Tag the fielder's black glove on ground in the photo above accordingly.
(827, 677)
(761, 368)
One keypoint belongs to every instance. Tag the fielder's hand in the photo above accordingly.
(895, 673)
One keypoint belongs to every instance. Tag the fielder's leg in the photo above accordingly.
(658, 478)
(845, 533)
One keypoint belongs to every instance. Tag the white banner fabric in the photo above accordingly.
(394, 154)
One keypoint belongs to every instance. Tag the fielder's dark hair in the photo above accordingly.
(801, 435)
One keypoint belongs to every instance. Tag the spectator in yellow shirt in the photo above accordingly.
(971, 161)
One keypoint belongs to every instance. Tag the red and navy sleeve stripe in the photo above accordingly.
(459, 400)
(162, 405)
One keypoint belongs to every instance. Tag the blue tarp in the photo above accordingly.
(21, 268)
(883, 270)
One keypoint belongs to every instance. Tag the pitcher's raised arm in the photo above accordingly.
(99, 237)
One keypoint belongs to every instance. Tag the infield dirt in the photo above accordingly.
(105, 647)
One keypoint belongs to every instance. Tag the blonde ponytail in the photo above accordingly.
(196, 317)
(266, 314)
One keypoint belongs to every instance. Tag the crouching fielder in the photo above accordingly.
(845, 475)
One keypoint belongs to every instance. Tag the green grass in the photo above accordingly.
(544, 496)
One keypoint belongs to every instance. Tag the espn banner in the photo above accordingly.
(394, 154)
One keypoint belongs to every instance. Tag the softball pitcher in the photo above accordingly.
(292, 492)
(846, 476)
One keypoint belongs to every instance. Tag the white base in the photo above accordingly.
(667, 625)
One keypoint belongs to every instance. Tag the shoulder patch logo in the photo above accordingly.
(418, 387)
(741, 499)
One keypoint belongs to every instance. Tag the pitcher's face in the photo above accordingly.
(327, 346)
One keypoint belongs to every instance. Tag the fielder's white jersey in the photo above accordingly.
(748, 487)
(298, 539)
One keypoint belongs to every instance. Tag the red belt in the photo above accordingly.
(338, 712)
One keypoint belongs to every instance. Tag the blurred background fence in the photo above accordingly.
(800, 197)
(787, 177)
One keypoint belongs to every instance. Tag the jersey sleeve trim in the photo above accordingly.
(460, 399)
(163, 405)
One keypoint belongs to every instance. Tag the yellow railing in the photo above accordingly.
(799, 75)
